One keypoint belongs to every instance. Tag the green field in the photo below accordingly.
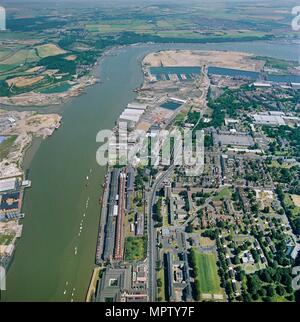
(224, 193)
(6, 239)
(135, 248)
(207, 273)
(290, 205)
(6, 145)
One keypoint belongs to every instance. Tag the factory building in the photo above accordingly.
(268, 119)
(109, 230)
(169, 274)
(2, 19)
(119, 238)
(8, 184)
(129, 186)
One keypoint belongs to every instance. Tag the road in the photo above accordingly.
(152, 236)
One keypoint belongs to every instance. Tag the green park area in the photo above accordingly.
(6, 239)
(135, 248)
(207, 280)
(5, 146)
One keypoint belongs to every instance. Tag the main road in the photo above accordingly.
(152, 255)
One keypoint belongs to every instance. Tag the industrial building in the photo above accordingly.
(129, 186)
(109, 230)
(268, 119)
(131, 115)
(9, 202)
(126, 284)
(233, 138)
(8, 184)
(136, 105)
(169, 273)
(2, 19)
(119, 238)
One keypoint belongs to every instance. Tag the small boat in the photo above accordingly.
(75, 251)
(65, 292)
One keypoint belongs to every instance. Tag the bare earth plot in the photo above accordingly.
(227, 59)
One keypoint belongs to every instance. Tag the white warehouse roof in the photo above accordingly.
(137, 106)
(268, 119)
(7, 184)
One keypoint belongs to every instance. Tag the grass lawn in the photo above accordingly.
(6, 145)
(224, 193)
(208, 273)
(135, 248)
(6, 239)
(288, 201)
(161, 290)
(206, 242)
(49, 50)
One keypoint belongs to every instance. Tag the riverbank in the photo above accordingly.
(17, 132)
(41, 100)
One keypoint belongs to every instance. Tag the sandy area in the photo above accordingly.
(34, 69)
(296, 200)
(26, 125)
(227, 59)
(24, 81)
(71, 57)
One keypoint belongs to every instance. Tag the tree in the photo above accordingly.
(265, 276)
(159, 282)
(270, 290)
(197, 290)
(280, 290)
(236, 260)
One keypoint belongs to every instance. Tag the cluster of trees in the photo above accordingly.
(208, 140)
(35, 24)
(268, 283)
(158, 213)
(284, 132)
(4, 88)
(60, 63)
(294, 220)
(193, 263)
(223, 270)
(184, 196)
(210, 233)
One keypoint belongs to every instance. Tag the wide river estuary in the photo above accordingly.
(55, 256)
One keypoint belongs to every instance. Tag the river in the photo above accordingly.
(53, 262)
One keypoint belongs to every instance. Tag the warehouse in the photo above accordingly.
(132, 115)
(233, 139)
(137, 106)
(8, 184)
(268, 119)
